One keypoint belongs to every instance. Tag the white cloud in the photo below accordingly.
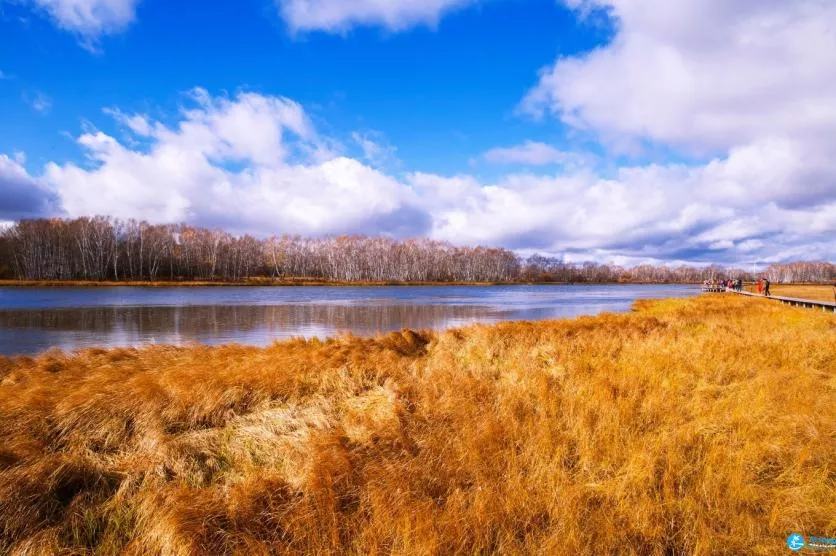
(701, 75)
(90, 18)
(755, 95)
(656, 212)
(252, 162)
(532, 153)
(340, 15)
(251, 127)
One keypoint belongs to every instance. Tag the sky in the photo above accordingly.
(620, 131)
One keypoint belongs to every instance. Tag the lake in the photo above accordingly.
(36, 319)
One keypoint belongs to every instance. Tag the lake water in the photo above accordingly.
(35, 319)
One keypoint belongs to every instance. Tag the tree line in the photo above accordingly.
(103, 248)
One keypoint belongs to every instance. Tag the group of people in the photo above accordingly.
(737, 285)
(734, 285)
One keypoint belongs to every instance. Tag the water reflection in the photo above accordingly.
(36, 319)
(29, 331)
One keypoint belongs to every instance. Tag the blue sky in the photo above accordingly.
(457, 84)
(590, 128)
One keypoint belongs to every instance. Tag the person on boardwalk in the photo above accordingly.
(760, 285)
(766, 287)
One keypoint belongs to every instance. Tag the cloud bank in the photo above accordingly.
(256, 163)
(22, 196)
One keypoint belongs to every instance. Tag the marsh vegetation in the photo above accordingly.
(697, 425)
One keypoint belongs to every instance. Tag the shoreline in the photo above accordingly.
(272, 283)
(303, 282)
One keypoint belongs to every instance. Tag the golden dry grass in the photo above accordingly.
(698, 426)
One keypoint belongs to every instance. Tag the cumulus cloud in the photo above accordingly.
(341, 15)
(670, 212)
(90, 19)
(755, 97)
(250, 163)
(701, 75)
(532, 153)
(21, 195)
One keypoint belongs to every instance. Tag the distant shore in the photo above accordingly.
(802, 289)
(279, 282)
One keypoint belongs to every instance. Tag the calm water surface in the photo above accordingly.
(36, 319)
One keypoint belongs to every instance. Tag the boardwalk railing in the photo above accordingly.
(715, 289)
(794, 301)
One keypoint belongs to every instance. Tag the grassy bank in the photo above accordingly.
(701, 426)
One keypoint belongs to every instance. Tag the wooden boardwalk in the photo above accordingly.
(827, 306)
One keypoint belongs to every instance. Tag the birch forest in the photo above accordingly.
(109, 249)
